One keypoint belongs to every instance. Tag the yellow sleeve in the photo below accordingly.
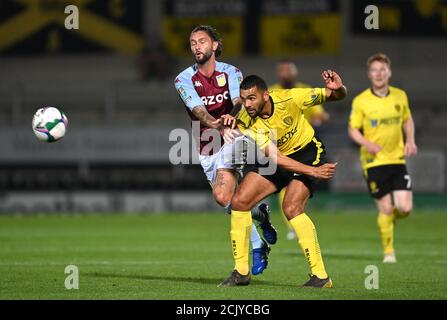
(308, 97)
(406, 114)
(356, 117)
(314, 111)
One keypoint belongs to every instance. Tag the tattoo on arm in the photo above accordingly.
(204, 117)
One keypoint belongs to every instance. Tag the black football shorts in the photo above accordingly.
(384, 179)
(313, 154)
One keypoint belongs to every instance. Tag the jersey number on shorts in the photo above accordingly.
(408, 178)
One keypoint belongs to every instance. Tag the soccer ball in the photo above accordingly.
(49, 124)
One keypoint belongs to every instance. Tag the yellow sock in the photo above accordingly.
(307, 238)
(240, 239)
(386, 227)
(281, 195)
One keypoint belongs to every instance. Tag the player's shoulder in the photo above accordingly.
(301, 85)
(279, 94)
(186, 75)
(397, 91)
(287, 94)
(226, 67)
(244, 119)
(275, 86)
(364, 95)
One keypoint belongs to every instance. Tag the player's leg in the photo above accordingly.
(294, 204)
(290, 233)
(403, 203)
(235, 156)
(224, 186)
(223, 189)
(252, 189)
(379, 180)
(385, 221)
(402, 193)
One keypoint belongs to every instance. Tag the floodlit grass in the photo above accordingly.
(185, 256)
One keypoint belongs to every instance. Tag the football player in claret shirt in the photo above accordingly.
(275, 121)
(378, 117)
(210, 89)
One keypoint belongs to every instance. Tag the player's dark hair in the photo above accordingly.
(253, 81)
(213, 34)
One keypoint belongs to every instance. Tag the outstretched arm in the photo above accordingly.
(325, 171)
(209, 121)
(205, 118)
(335, 90)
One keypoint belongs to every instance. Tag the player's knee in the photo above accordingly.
(222, 198)
(404, 208)
(386, 209)
(291, 210)
(241, 203)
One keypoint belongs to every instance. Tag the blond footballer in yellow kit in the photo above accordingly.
(382, 125)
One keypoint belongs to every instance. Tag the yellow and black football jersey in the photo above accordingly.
(310, 112)
(381, 119)
(287, 125)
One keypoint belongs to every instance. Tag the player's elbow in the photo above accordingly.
(352, 132)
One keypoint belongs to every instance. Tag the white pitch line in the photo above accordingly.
(106, 263)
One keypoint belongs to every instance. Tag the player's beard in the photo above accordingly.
(287, 84)
(205, 57)
(258, 111)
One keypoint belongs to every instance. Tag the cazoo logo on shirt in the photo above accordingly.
(210, 100)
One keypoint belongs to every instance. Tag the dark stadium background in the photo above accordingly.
(116, 86)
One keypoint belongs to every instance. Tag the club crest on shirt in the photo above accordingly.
(221, 80)
(397, 107)
(288, 120)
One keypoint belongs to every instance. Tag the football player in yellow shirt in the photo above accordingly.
(378, 117)
(287, 74)
(275, 121)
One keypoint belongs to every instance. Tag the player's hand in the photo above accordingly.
(229, 135)
(332, 80)
(372, 148)
(411, 149)
(326, 171)
(229, 121)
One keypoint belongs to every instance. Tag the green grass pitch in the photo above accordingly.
(185, 256)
